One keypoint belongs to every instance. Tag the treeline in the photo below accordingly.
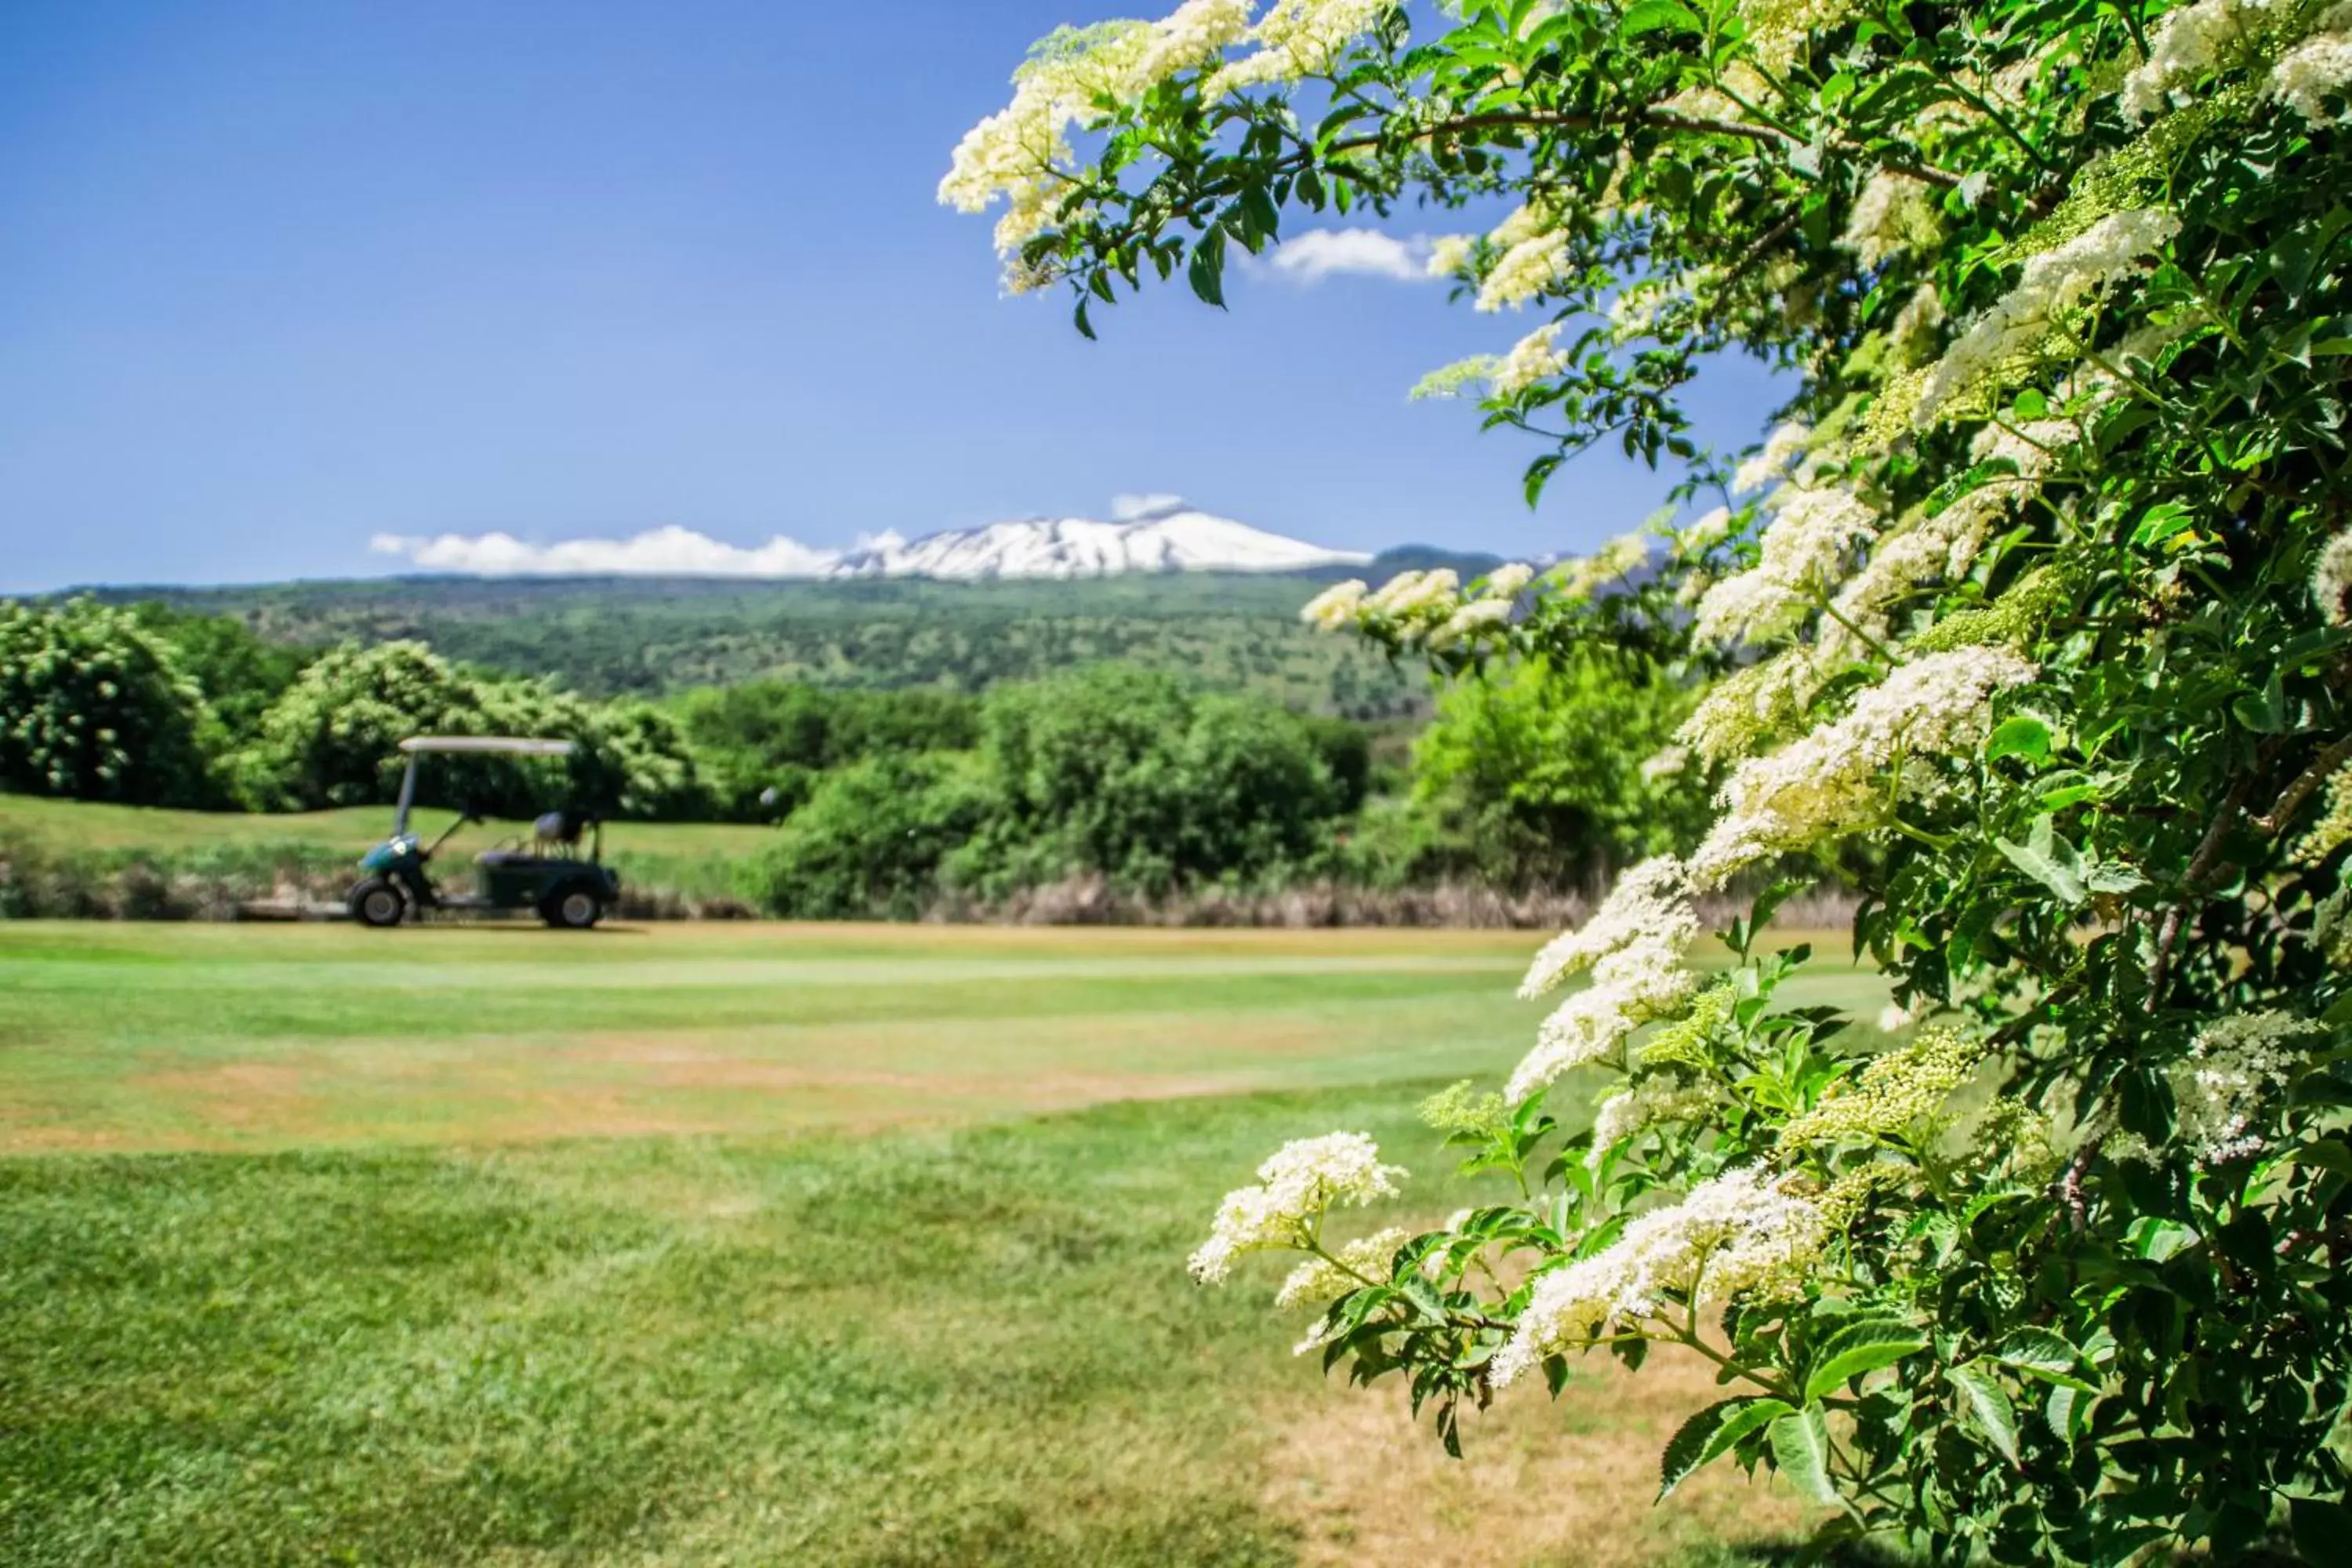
(890, 802)
(657, 638)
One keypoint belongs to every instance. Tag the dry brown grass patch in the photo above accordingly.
(1566, 1483)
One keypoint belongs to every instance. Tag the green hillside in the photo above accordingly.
(607, 636)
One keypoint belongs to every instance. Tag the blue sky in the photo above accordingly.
(283, 276)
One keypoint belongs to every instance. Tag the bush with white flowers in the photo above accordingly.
(2032, 610)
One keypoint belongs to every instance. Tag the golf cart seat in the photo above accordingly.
(553, 836)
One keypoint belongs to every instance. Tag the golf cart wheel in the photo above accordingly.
(574, 908)
(377, 902)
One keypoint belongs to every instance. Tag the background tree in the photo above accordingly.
(95, 707)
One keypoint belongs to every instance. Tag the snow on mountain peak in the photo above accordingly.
(1149, 533)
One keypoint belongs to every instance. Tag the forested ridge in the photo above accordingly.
(606, 637)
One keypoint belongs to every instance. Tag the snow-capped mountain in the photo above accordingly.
(1146, 534)
(1173, 538)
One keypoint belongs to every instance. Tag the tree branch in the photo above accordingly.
(2290, 799)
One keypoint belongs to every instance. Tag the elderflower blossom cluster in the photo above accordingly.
(1827, 783)
(1336, 607)
(2315, 70)
(1535, 358)
(1778, 30)
(1296, 1186)
(1899, 1094)
(1739, 1234)
(1410, 595)
(1297, 38)
(1474, 618)
(1913, 335)
(1668, 761)
(1784, 446)
(1319, 1279)
(2190, 41)
(1803, 551)
(1585, 575)
(1634, 946)
(1892, 214)
(2054, 281)
(2331, 579)
(2333, 828)
(2233, 1065)
(1650, 1101)
(1944, 546)
(1534, 254)
(1762, 701)
(1450, 253)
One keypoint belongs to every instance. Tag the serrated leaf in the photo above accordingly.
(1205, 271)
(1706, 1435)
(1987, 1407)
(2040, 1353)
(1861, 1347)
(1800, 1447)
(2049, 860)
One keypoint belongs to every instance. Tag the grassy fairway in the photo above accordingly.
(350, 1288)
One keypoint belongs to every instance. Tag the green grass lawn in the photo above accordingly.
(740, 1243)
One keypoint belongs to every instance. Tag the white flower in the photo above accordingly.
(1633, 944)
(1450, 253)
(1474, 616)
(1408, 595)
(2233, 1065)
(1914, 331)
(1194, 34)
(1297, 38)
(1782, 447)
(1507, 581)
(1653, 1100)
(2312, 72)
(2053, 281)
(1742, 709)
(1320, 1279)
(1534, 358)
(1650, 903)
(2190, 41)
(1581, 576)
(1894, 1018)
(1335, 606)
(1665, 764)
(1297, 1183)
(1708, 530)
(1892, 214)
(1524, 272)
(1777, 29)
(1739, 1234)
(1802, 555)
(2331, 579)
(1827, 783)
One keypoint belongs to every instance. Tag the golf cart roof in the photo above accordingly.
(507, 743)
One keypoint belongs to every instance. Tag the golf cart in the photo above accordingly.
(549, 874)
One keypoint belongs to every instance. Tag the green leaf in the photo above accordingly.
(2040, 1353)
(2049, 860)
(1205, 271)
(1708, 1434)
(2322, 1530)
(1658, 15)
(1800, 1447)
(1987, 1407)
(1862, 1347)
(2021, 736)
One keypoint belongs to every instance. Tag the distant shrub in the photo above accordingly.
(92, 707)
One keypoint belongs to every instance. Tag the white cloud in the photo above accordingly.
(658, 552)
(1128, 507)
(1366, 252)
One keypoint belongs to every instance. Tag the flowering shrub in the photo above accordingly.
(2034, 607)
